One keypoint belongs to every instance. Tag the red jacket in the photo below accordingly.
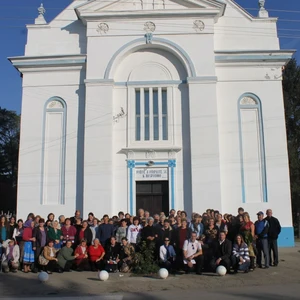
(95, 253)
(27, 234)
(80, 253)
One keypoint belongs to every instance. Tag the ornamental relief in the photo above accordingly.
(198, 25)
(248, 101)
(55, 104)
(150, 154)
(102, 28)
(149, 27)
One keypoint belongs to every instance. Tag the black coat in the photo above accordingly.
(222, 251)
(274, 228)
(88, 236)
(176, 235)
(165, 233)
(38, 237)
(149, 231)
(112, 252)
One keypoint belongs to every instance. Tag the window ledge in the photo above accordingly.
(147, 149)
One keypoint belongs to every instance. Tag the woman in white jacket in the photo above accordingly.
(134, 231)
(11, 256)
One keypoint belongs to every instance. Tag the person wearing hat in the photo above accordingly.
(11, 256)
(261, 236)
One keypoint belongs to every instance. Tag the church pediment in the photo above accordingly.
(96, 8)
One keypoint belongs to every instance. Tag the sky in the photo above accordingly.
(15, 14)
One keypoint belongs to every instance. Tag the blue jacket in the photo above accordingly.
(261, 229)
(105, 232)
(198, 228)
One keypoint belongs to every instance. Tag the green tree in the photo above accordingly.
(9, 150)
(291, 93)
(144, 259)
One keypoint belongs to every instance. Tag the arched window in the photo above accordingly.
(53, 153)
(252, 150)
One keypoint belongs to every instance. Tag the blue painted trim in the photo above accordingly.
(286, 237)
(172, 165)
(50, 62)
(141, 41)
(228, 58)
(63, 162)
(131, 164)
(261, 144)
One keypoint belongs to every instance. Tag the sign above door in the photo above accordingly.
(151, 174)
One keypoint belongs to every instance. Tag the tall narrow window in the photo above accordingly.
(253, 169)
(137, 115)
(146, 115)
(151, 114)
(54, 147)
(155, 116)
(164, 115)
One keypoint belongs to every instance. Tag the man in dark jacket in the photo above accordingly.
(105, 231)
(273, 233)
(261, 236)
(222, 250)
(112, 255)
(150, 232)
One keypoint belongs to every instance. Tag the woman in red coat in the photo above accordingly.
(96, 254)
(28, 239)
(82, 261)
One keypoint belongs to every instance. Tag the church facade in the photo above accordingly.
(157, 104)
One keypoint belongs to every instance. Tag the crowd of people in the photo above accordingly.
(196, 244)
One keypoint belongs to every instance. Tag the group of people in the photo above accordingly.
(199, 243)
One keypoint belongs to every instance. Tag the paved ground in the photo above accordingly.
(274, 283)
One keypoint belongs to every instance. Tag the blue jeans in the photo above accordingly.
(235, 261)
(262, 247)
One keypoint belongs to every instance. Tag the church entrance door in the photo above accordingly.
(152, 196)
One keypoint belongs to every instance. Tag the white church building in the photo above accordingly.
(157, 104)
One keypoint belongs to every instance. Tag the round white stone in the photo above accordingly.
(163, 273)
(43, 276)
(103, 275)
(221, 270)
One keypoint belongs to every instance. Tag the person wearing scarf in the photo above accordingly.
(10, 258)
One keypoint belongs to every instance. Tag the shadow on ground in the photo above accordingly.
(28, 286)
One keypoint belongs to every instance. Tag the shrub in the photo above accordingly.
(144, 262)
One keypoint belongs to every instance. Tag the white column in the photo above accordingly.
(205, 160)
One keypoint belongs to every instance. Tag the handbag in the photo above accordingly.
(42, 260)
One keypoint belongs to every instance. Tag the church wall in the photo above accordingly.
(276, 160)
(38, 88)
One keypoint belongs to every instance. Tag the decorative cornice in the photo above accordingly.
(175, 149)
(253, 56)
(202, 79)
(22, 63)
(95, 10)
(96, 82)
